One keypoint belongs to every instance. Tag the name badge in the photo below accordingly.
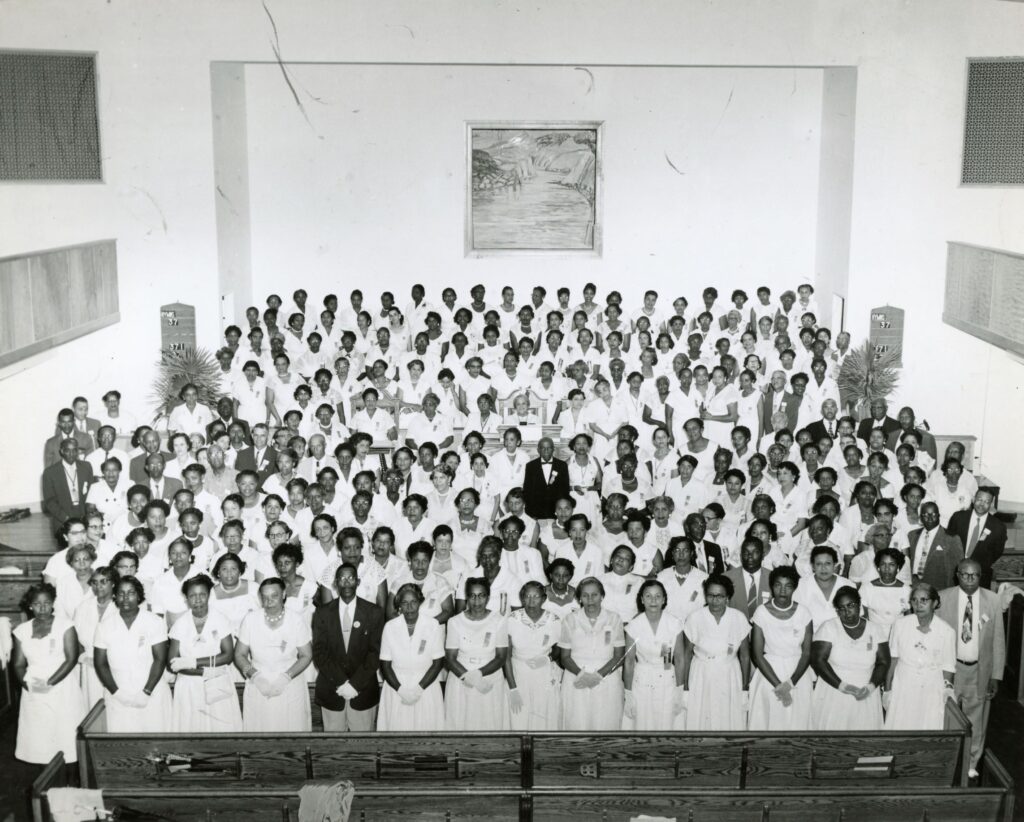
(284, 646)
(871, 643)
(693, 596)
(730, 650)
(423, 646)
(629, 587)
(544, 641)
(142, 641)
(608, 637)
(487, 639)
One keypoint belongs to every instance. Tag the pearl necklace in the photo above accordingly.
(273, 620)
(778, 607)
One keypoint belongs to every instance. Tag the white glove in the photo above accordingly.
(473, 678)
(515, 700)
(745, 701)
(485, 685)
(131, 699)
(183, 663)
(538, 661)
(410, 694)
(679, 699)
(38, 685)
(262, 683)
(847, 688)
(88, 660)
(278, 684)
(948, 692)
(629, 707)
(346, 691)
(886, 699)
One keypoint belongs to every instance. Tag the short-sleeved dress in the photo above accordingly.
(620, 593)
(191, 712)
(810, 595)
(538, 686)
(591, 645)
(411, 657)
(47, 723)
(884, 603)
(685, 594)
(465, 708)
(130, 656)
(654, 679)
(715, 683)
(87, 618)
(783, 645)
(917, 686)
(274, 650)
(853, 661)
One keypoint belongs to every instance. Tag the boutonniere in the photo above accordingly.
(985, 533)
(355, 624)
(938, 549)
(984, 618)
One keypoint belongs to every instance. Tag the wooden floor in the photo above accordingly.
(30, 534)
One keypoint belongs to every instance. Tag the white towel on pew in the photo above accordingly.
(325, 801)
(76, 804)
(1006, 594)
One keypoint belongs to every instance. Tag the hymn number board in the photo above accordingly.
(177, 327)
(886, 330)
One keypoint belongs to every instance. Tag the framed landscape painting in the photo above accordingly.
(533, 187)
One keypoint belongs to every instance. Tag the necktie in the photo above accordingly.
(966, 631)
(972, 540)
(831, 429)
(751, 596)
(922, 551)
(346, 623)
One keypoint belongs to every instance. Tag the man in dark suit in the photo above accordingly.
(150, 443)
(65, 430)
(226, 417)
(160, 487)
(750, 580)
(777, 398)
(346, 651)
(934, 552)
(65, 486)
(545, 481)
(259, 457)
(84, 424)
(828, 425)
(908, 424)
(709, 555)
(981, 533)
(879, 418)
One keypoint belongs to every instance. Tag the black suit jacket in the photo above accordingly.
(171, 487)
(137, 468)
(790, 403)
(927, 441)
(940, 565)
(246, 461)
(540, 495)
(716, 563)
(357, 664)
(57, 496)
(228, 424)
(818, 430)
(869, 423)
(988, 549)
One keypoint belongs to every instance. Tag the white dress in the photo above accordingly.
(538, 686)
(746, 408)
(654, 678)
(620, 593)
(884, 603)
(715, 683)
(685, 594)
(809, 594)
(917, 686)
(411, 657)
(720, 433)
(191, 713)
(130, 656)
(87, 618)
(598, 708)
(588, 563)
(588, 502)
(465, 708)
(47, 723)
(853, 661)
(783, 645)
(275, 650)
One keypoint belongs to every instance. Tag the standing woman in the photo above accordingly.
(90, 613)
(273, 650)
(232, 596)
(653, 666)
(411, 660)
(851, 657)
(682, 579)
(560, 595)
(73, 588)
(780, 646)
(44, 656)
(886, 598)
(476, 649)
(201, 652)
(748, 405)
(592, 646)
(530, 669)
(584, 476)
(822, 588)
(920, 679)
(720, 408)
(716, 662)
(130, 656)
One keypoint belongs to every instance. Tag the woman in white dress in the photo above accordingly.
(553, 534)
(780, 646)
(508, 466)
(483, 418)
(201, 653)
(438, 595)
(920, 679)
(561, 596)
(574, 418)
(43, 658)
(411, 660)
(584, 476)
(592, 647)
(273, 650)
(819, 591)
(621, 584)
(73, 588)
(661, 467)
(586, 556)
(748, 405)
(604, 418)
(130, 652)
(682, 579)
(476, 648)
(716, 662)
(232, 596)
(886, 598)
(701, 449)
(530, 670)
(851, 657)
(949, 489)
(649, 559)
(719, 411)
(90, 612)
(653, 668)
(250, 393)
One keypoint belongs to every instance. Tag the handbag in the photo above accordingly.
(217, 685)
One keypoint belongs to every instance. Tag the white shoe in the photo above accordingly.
(972, 774)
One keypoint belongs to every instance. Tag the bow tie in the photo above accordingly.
(545, 462)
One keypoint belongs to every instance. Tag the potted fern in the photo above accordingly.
(867, 375)
(175, 370)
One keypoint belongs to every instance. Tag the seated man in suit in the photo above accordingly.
(708, 555)
(226, 416)
(879, 418)
(983, 535)
(545, 480)
(160, 487)
(65, 430)
(828, 425)
(346, 651)
(750, 580)
(150, 444)
(777, 399)
(260, 456)
(934, 553)
(66, 485)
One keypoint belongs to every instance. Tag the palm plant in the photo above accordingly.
(175, 370)
(867, 375)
